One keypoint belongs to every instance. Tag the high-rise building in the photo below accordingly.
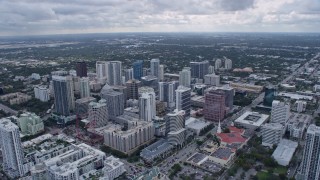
(147, 106)
(63, 94)
(81, 69)
(215, 107)
(42, 93)
(309, 167)
(227, 64)
(114, 73)
(271, 133)
(98, 113)
(30, 123)
(132, 88)
(212, 79)
(115, 101)
(82, 106)
(229, 94)
(269, 96)
(167, 92)
(161, 72)
(11, 149)
(300, 106)
(217, 64)
(211, 70)
(175, 131)
(280, 112)
(155, 67)
(101, 69)
(138, 69)
(128, 74)
(183, 99)
(84, 87)
(185, 77)
(199, 69)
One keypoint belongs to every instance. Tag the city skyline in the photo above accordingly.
(57, 17)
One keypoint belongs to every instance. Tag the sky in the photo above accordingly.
(32, 17)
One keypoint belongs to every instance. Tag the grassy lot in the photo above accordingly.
(280, 170)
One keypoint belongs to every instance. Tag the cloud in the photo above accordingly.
(78, 16)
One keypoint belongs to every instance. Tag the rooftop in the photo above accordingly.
(194, 123)
(285, 150)
(156, 148)
(235, 136)
(252, 118)
(223, 153)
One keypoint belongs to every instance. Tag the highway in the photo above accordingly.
(8, 110)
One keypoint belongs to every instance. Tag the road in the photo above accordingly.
(8, 110)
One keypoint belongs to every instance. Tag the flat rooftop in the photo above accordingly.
(252, 118)
(223, 153)
(198, 124)
(285, 150)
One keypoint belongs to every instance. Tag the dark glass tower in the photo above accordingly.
(137, 69)
(270, 93)
(81, 69)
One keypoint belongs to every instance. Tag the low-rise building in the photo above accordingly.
(246, 87)
(42, 93)
(251, 120)
(30, 124)
(196, 125)
(15, 98)
(113, 168)
(158, 150)
(297, 124)
(284, 152)
(152, 174)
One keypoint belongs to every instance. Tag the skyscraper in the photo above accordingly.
(155, 67)
(101, 69)
(128, 74)
(84, 87)
(138, 69)
(167, 92)
(63, 94)
(215, 107)
(81, 69)
(227, 64)
(217, 64)
(114, 74)
(309, 167)
(185, 77)
(11, 149)
(199, 69)
(147, 106)
(269, 95)
(98, 113)
(211, 70)
(229, 94)
(161, 72)
(175, 131)
(115, 101)
(212, 79)
(183, 99)
(280, 112)
(132, 89)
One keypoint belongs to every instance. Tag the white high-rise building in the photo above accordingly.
(98, 113)
(167, 92)
(309, 167)
(161, 72)
(175, 131)
(280, 112)
(128, 74)
(101, 69)
(301, 106)
(227, 64)
(185, 77)
(183, 99)
(84, 87)
(147, 106)
(271, 133)
(217, 64)
(42, 93)
(211, 70)
(11, 149)
(155, 67)
(212, 79)
(114, 73)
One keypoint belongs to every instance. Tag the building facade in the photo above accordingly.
(185, 77)
(138, 69)
(42, 93)
(63, 94)
(114, 73)
(147, 106)
(215, 106)
(81, 69)
(84, 87)
(271, 133)
(132, 88)
(280, 112)
(155, 67)
(183, 99)
(199, 69)
(167, 92)
(30, 124)
(98, 113)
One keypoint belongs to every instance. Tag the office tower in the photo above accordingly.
(147, 106)
(199, 69)
(138, 69)
(280, 112)
(309, 167)
(300, 106)
(128, 74)
(271, 133)
(98, 113)
(212, 79)
(84, 87)
(63, 94)
(215, 107)
(114, 74)
(227, 64)
(269, 96)
(167, 92)
(155, 67)
(115, 101)
(132, 89)
(81, 69)
(175, 131)
(82, 106)
(217, 64)
(161, 72)
(183, 99)
(185, 77)
(229, 94)
(151, 81)
(42, 93)
(101, 69)
(76, 84)
(211, 70)
(11, 149)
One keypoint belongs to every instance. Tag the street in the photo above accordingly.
(8, 110)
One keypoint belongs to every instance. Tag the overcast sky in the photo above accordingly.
(23, 17)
